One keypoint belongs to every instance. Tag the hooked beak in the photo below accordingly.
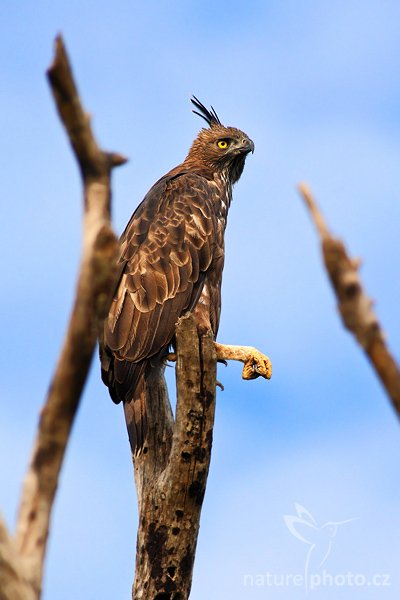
(246, 145)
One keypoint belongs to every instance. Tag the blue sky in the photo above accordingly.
(316, 86)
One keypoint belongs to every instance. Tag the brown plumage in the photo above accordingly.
(171, 261)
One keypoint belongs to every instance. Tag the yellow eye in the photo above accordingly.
(222, 144)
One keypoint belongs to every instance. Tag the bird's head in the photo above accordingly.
(219, 148)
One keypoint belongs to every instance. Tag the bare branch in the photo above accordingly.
(354, 305)
(171, 487)
(93, 297)
(171, 473)
(91, 159)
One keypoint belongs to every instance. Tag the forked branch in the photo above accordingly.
(21, 561)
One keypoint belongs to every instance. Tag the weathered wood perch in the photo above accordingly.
(22, 557)
(171, 475)
(355, 307)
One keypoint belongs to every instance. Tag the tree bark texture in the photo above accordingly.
(171, 474)
(22, 557)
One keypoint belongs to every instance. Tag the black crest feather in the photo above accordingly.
(210, 116)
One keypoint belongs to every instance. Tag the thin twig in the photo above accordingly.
(92, 301)
(354, 305)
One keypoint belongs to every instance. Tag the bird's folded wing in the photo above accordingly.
(166, 250)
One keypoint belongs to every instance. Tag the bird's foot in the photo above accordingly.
(257, 365)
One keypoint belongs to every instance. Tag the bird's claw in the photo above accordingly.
(220, 385)
(222, 361)
(257, 365)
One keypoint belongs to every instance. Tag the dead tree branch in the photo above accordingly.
(171, 478)
(354, 305)
(171, 473)
(21, 562)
